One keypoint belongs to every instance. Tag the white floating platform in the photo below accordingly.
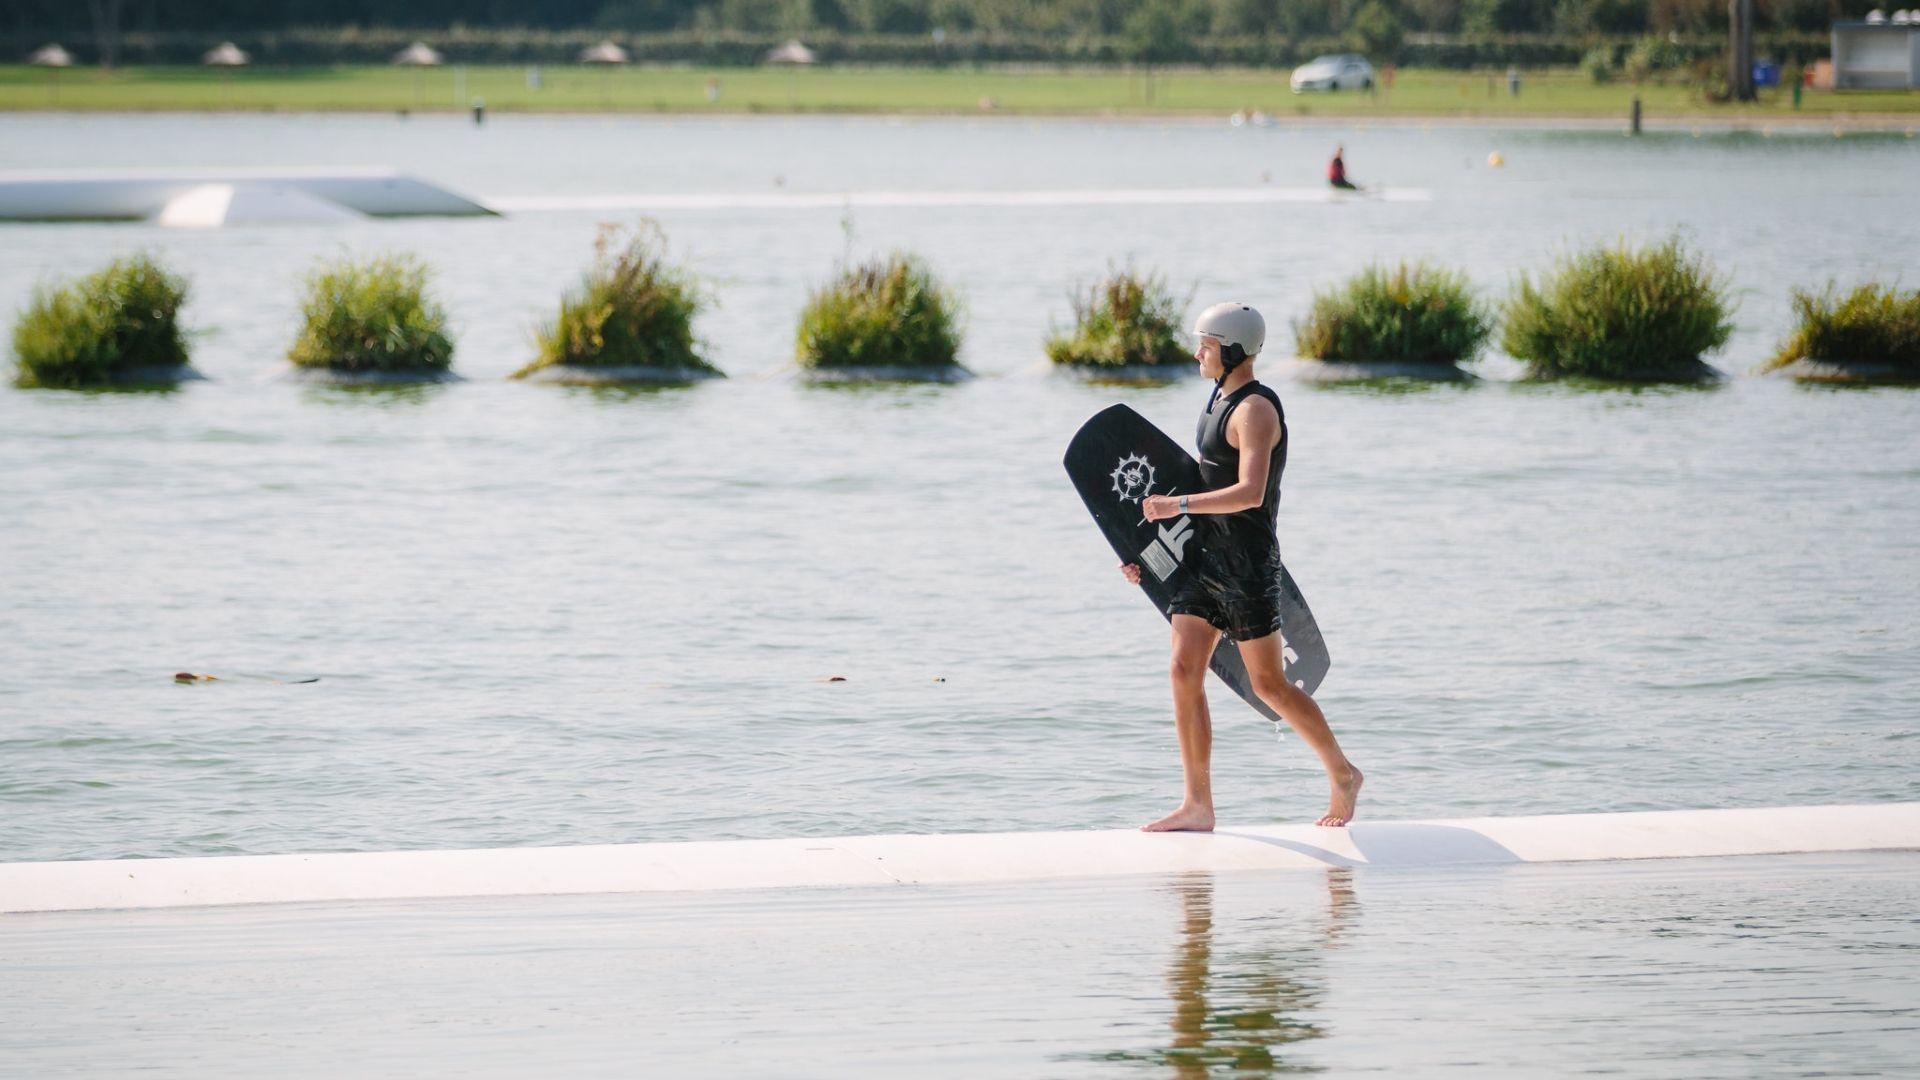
(212, 197)
(964, 858)
(835, 200)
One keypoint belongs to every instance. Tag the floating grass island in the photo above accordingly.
(630, 321)
(372, 322)
(1871, 334)
(117, 328)
(1126, 327)
(1412, 321)
(885, 319)
(1621, 314)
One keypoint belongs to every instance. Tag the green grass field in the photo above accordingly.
(1416, 93)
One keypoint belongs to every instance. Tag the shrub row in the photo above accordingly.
(629, 319)
(320, 46)
(1612, 312)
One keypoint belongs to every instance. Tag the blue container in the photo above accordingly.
(1766, 73)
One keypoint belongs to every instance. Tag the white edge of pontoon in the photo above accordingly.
(946, 859)
(935, 199)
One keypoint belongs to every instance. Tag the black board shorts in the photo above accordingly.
(1242, 602)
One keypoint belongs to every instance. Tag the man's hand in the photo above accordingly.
(1160, 507)
(1130, 571)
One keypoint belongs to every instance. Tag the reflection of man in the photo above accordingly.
(1235, 1007)
(1337, 170)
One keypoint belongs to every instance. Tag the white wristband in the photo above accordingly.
(1183, 504)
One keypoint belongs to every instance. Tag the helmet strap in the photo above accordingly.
(1231, 356)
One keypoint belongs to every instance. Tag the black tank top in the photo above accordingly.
(1245, 537)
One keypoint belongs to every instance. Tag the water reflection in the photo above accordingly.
(1239, 998)
(375, 394)
(1708, 380)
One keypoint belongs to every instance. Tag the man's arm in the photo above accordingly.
(1254, 431)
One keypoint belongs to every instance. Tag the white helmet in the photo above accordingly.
(1233, 323)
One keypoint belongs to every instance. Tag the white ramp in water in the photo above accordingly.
(977, 857)
(835, 200)
(201, 197)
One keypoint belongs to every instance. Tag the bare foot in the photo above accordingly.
(1345, 794)
(1186, 819)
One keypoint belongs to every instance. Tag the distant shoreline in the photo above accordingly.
(1704, 122)
(1546, 98)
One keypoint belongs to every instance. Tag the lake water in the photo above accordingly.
(545, 616)
(550, 616)
(1772, 967)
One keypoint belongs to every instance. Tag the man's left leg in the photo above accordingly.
(1266, 669)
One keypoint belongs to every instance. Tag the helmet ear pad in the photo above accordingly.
(1232, 356)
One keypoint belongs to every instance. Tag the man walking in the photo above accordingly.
(1233, 583)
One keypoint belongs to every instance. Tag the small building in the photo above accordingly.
(1877, 54)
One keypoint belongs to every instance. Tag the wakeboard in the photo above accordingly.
(1116, 460)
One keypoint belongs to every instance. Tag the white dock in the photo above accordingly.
(964, 858)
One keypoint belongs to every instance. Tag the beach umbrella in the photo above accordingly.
(791, 52)
(225, 55)
(606, 56)
(419, 54)
(604, 53)
(53, 58)
(50, 56)
(793, 56)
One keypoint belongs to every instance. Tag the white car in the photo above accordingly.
(1339, 71)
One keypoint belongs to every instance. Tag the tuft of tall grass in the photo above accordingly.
(890, 312)
(372, 317)
(1415, 314)
(1126, 319)
(631, 309)
(117, 323)
(1870, 325)
(1617, 312)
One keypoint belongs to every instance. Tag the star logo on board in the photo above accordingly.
(1132, 478)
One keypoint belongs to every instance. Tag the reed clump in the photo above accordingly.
(632, 310)
(372, 317)
(1620, 313)
(1125, 320)
(889, 312)
(1407, 314)
(118, 325)
(1871, 329)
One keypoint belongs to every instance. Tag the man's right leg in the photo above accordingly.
(1193, 642)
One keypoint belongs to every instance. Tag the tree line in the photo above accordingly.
(1168, 23)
